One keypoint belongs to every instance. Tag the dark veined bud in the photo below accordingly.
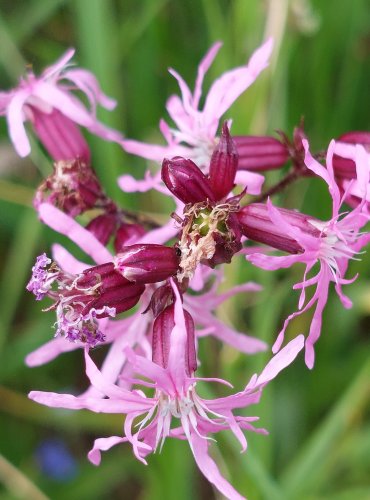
(256, 225)
(161, 298)
(103, 227)
(345, 168)
(127, 234)
(147, 263)
(161, 340)
(73, 187)
(260, 153)
(223, 165)
(114, 289)
(186, 181)
(60, 135)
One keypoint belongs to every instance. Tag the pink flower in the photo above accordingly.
(110, 331)
(331, 244)
(47, 101)
(175, 399)
(194, 135)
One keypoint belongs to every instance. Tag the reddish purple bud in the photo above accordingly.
(344, 167)
(103, 227)
(186, 181)
(223, 165)
(60, 135)
(114, 290)
(256, 225)
(126, 234)
(260, 153)
(73, 187)
(147, 263)
(161, 340)
(161, 298)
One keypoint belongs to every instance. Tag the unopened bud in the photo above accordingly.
(260, 153)
(60, 136)
(255, 224)
(161, 298)
(161, 340)
(223, 165)
(103, 227)
(147, 263)
(127, 234)
(186, 181)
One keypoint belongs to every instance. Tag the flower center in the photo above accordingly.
(198, 239)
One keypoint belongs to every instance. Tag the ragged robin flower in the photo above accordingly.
(209, 230)
(79, 300)
(48, 102)
(329, 244)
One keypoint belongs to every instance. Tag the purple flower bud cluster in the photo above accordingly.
(165, 278)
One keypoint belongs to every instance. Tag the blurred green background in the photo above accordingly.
(319, 446)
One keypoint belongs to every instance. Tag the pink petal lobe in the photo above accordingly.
(209, 468)
(16, 128)
(103, 444)
(280, 361)
(66, 225)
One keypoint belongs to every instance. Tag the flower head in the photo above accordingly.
(330, 244)
(194, 135)
(47, 101)
(210, 230)
(175, 409)
(79, 300)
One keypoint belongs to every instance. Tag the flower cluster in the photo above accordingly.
(166, 278)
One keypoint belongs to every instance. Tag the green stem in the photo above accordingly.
(301, 475)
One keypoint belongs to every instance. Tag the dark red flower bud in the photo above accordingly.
(260, 153)
(223, 165)
(344, 167)
(256, 225)
(186, 181)
(103, 227)
(161, 340)
(126, 234)
(114, 289)
(161, 298)
(147, 263)
(60, 135)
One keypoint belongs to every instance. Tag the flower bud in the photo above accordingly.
(161, 298)
(186, 181)
(256, 225)
(223, 165)
(103, 227)
(60, 136)
(126, 234)
(147, 263)
(260, 153)
(161, 340)
(73, 187)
